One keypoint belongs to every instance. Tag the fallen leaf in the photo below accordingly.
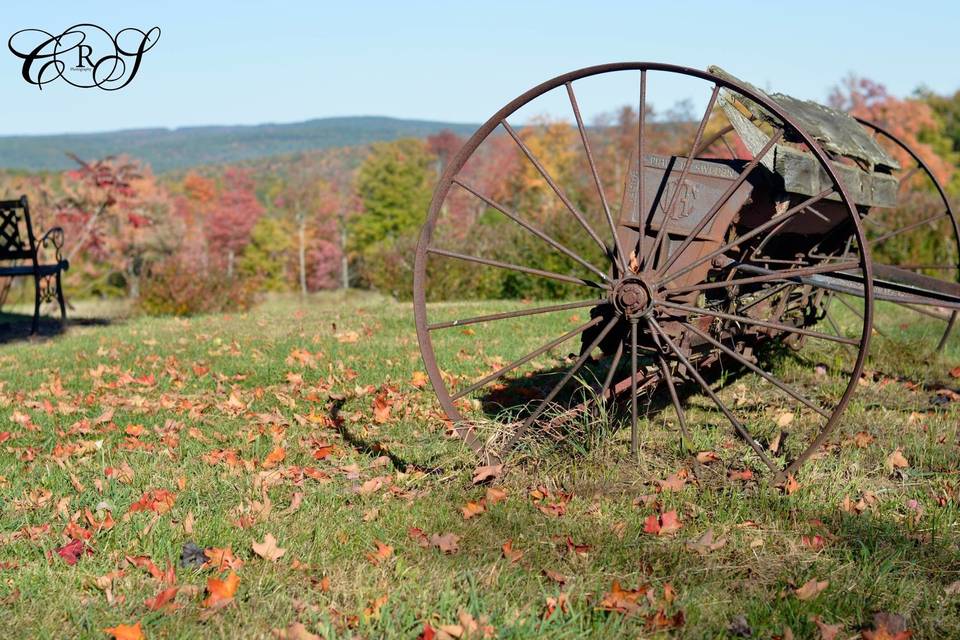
(662, 525)
(295, 631)
(552, 604)
(811, 589)
(274, 458)
(381, 408)
(126, 632)
(156, 500)
(383, 552)
(162, 599)
(785, 419)
(268, 549)
(511, 554)
(955, 372)
(419, 379)
(221, 592)
(495, 495)
(706, 457)
(73, 551)
(472, 509)
(622, 600)
(887, 626)
(896, 460)
(559, 578)
(705, 544)
(827, 631)
(486, 473)
(447, 542)
(953, 588)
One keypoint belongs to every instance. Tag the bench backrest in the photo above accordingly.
(17, 241)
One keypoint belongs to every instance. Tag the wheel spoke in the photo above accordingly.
(785, 274)
(668, 212)
(642, 214)
(560, 385)
(553, 185)
(527, 358)
(909, 227)
(675, 399)
(796, 395)
(750, 234)
(761, 323)
(946, 334)
(529, 227)
(721, 201)
(740, 429)
(613, 370)
(517, 314)
(596, 177)
(634, 431)
(513, 267)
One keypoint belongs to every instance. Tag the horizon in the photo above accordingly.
(243, 64)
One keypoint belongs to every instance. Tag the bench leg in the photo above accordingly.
(63, 306)
(36, 305)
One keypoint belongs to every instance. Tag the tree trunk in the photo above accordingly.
(230, 263)
(344, 262)
(302, 222)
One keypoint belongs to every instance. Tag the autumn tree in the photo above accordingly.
(232, 218)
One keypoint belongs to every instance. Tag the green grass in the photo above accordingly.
(886, 559)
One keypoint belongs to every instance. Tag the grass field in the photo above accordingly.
(306, 427)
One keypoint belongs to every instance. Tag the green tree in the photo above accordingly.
(267, 255)
(394, 184)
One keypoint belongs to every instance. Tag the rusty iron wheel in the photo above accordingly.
(928, 200)
(669, 313)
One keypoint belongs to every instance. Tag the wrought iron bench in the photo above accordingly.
(20, 255)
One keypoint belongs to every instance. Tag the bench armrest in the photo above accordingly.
(54, 237)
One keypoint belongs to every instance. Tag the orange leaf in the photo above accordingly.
(495, 495)
(383, 552)
(221, 591)
(811, 589)
(221, 559)
(156, 500)
(472, 509)
(274, 458)
(381, 408)
(162, 599)
(126, 632)
(419, 379)
(511, 554)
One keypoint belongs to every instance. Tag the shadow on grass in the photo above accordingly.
(15, 327)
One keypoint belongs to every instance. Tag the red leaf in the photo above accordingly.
(73, 551)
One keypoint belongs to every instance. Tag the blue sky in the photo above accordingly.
(244, 62)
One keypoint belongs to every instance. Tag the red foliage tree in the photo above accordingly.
(231, 219)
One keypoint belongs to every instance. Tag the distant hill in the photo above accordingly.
(167, 149)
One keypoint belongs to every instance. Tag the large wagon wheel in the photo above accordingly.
(684, 282)
(923, 221)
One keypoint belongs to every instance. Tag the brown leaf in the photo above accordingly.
(268, 549)
(955, 372)
(274, 458)
(295, 631)
(447, 542)
(486, 473)
(674, 482)
(887, 626)
(623, 600)
(811, 589)
(561, 602)
(162, 599)
(706, 457)
(511, 554)
(896, 460)
(559, 578)
(381, 408)
(495, 495)
(705, 544)
(827, 631)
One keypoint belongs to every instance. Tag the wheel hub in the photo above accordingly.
(631, 297)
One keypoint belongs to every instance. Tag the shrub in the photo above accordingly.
(173, 288)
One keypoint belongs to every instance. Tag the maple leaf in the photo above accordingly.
(486, 473)
(274, 458)
(495, 495)
(827, 631)
(419, 379)
(622, 600)
(381, 408)
(674, 481)
(705, 544)
(472, 509)
(268, 549)
(162, 599)
(156, 500)
(811, 589)
(295, 631)
(955, 372)
(896, 460)
(383, 552)
(888, 627)
(73, 551)
(428, 632)
(511, 554)
(745, 474)
(791, 485)
(559, 578)
(561, 602)
(815, 542)
(662, 525)
(706, 457)
(126, 632)
(221, 559)
(144, 562)
(221, 592)
(448, 542)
